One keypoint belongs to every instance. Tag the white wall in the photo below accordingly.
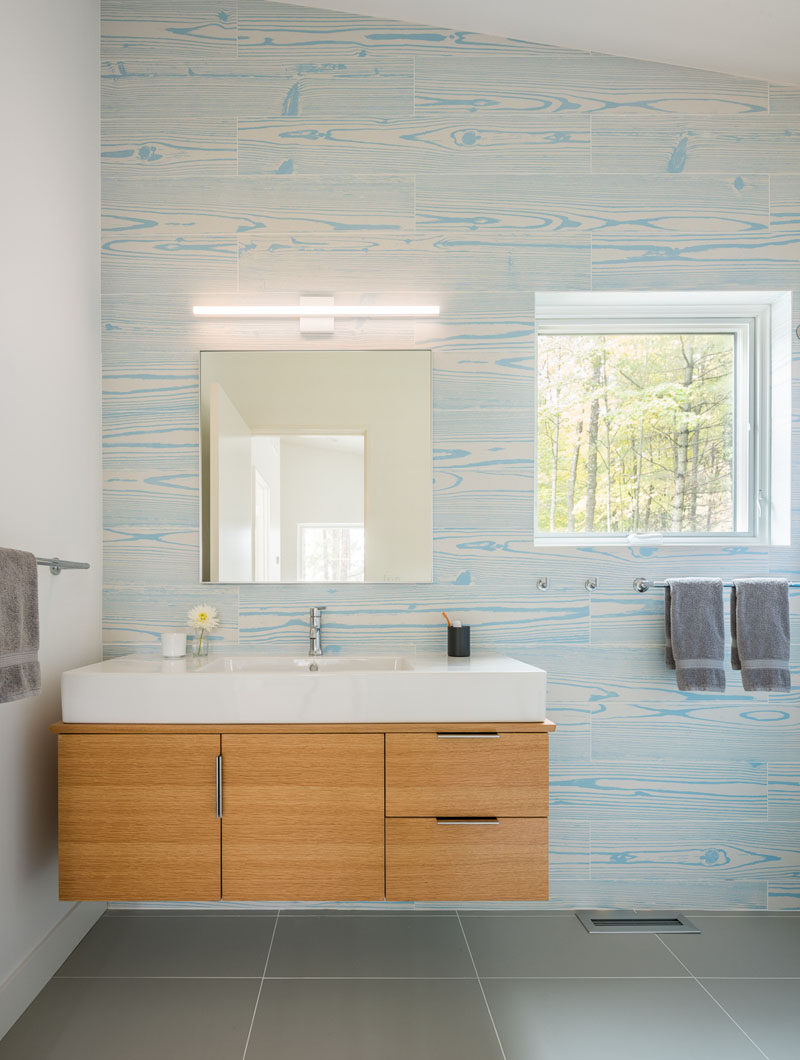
(267, 460)
(50, 485)
(230, 490)
(319, 485)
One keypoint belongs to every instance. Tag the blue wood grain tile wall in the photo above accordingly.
(259, 147)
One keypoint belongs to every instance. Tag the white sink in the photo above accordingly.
(240, 689)
(279, 664)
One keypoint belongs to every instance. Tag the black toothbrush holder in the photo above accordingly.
(458, 642)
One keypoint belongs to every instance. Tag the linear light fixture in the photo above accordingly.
(316, 311)
(316, 314)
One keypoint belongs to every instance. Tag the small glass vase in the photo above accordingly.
(200, 644)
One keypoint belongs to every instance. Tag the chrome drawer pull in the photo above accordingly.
(467, 820)
(467, 735)
(219, 785)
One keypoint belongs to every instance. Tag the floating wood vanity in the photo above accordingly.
(357, 812)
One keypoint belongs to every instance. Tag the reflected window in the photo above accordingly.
(331, 552)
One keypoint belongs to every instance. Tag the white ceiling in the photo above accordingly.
(336, 443)
(750, 38)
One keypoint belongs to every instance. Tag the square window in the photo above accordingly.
(650, 420)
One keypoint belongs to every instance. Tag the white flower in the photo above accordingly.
(203, 617)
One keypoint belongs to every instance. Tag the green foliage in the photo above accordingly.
(636, 433)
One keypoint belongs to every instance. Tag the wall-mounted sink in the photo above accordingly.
(304, 664)
(271, 689)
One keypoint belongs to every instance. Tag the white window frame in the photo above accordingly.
(750, 322)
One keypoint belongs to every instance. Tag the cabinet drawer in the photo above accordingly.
(458, 775)
(439, 860)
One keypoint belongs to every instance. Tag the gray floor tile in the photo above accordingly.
(553, 946)
(369, 946)
(510, 910)
(378, 910)
(372, 1019)
(769, 1011)
(172, 946)
(692, 913)
(612, 1019)
(750, 947)
(212, 910)
(135, 1019)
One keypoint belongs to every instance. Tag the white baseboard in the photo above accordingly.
(30, 976)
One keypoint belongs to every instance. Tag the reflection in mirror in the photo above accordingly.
(308, 508)
(316, 466)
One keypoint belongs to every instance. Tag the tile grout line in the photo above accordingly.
(480, 985)
(708, 992)
(260, 987)
(447, 978)
(311, 915)
(443, 978)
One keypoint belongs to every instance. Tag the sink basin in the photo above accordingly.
(274, 689)
(271, 664)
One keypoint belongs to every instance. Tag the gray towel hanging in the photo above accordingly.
(760, 633)
(20, 674)
(695, 633)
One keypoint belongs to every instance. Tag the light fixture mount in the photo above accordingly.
(313, 324)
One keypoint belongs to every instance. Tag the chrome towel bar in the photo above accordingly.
(641, 585)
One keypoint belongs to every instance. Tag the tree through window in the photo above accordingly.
(641, 433)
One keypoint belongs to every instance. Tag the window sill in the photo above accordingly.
(713, 542)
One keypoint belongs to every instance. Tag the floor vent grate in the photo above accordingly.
(628, 922)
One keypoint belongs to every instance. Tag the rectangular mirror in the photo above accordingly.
(316, 466)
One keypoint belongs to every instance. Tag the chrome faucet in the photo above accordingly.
(315, 630)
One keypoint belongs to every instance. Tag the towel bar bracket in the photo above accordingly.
(56, 565)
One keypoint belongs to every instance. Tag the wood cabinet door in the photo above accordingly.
(302, 817)
(137, 817)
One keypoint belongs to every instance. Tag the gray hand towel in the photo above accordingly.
(19, 625)
(760, 633)
(695, 630)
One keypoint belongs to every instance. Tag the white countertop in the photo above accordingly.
(244, 687)
(421, 663)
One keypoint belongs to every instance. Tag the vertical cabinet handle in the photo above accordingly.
(219, 785)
